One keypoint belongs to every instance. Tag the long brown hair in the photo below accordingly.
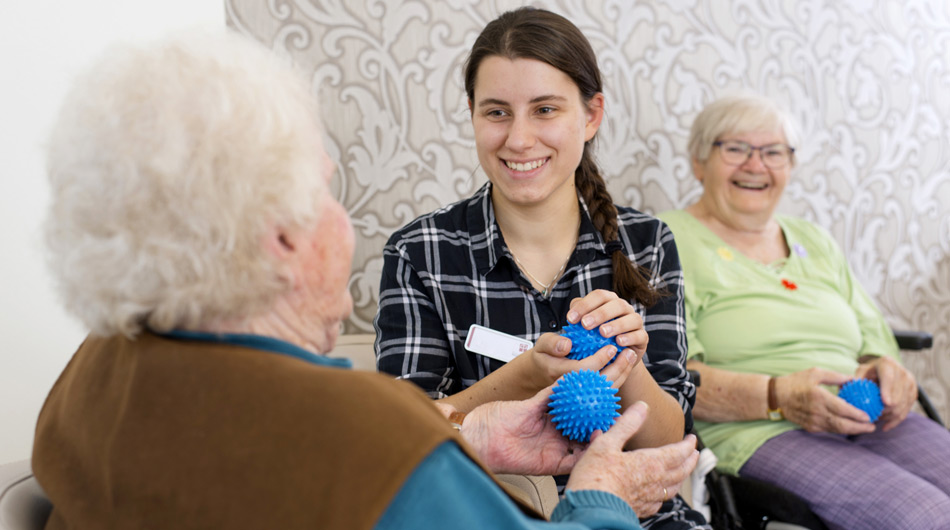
(530, 33)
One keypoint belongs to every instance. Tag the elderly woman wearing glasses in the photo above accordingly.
(776, 321)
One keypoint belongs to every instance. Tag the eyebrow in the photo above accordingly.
(539, 99)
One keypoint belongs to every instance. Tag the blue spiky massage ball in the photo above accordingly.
(865, 395)
(586, 342)
(582, 402)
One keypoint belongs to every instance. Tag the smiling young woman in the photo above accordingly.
(540, 245)
(530, 138)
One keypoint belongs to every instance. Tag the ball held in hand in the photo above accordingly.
(586, 342)
(582, 402)
(865, 395)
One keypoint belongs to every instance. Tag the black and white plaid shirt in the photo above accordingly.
(450, 269)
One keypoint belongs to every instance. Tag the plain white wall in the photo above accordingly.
(43, 43)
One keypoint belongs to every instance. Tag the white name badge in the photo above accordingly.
(495, 344)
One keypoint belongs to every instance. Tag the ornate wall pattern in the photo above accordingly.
(867, 80)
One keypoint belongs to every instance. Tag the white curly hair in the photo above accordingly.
(735, 114)
(167, 163)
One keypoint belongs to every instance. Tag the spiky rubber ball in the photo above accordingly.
(586, 342)
(865, 395)
(582, 402)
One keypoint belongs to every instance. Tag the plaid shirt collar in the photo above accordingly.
(481, 217)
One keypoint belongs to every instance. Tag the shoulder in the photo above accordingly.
(452, 224)
(333, 382)
(632, 216)
(675, 219)
(449, 218)
(800, 225)
(635, 222)
(252, 372)
(328, 392)
(804, 232)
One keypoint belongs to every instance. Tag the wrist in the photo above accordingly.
(774, 409)
(473, 428)
(521, 373)
(456, 419)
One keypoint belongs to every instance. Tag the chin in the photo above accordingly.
(323, 343)
(332, 327)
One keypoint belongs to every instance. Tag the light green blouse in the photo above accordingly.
(741, 315)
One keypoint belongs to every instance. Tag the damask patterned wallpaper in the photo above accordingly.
(867, 80)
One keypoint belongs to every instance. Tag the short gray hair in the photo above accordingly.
(167, 164)
(735, 114)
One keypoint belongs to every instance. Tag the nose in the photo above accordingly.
(754, 163)
(329, 167)
(520, 135)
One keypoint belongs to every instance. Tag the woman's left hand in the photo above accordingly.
(518, 437)
(898, 388)
(615, 317)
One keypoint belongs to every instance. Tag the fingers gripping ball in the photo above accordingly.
(586, 342)
(582, 402)
(865, 395)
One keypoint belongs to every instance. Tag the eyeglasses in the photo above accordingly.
(736, 153)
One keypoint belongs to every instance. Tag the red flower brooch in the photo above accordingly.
(790, 285)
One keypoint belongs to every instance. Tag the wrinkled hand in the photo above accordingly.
(804, 401)
(898, 388)
(518, 437)
(615, 316)
(640, 476)
(543, 364)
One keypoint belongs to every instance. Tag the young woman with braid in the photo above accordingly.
(538, 246)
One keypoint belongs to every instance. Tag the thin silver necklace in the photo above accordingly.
(545, 291)
(557, 275)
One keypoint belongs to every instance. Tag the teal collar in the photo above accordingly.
(260, 342)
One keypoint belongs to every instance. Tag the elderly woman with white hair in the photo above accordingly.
(776, 321)
(191, 229)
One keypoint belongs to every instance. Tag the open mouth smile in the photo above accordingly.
(750, 185)
(526, 166)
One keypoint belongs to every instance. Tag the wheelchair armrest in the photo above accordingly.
(694, 375)
(913, 340)
(927, 406)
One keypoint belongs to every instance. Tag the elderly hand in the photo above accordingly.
(804, 401)
(643, 477)
(543, 364)
(898, 388)
(614, 315)
(518, 437)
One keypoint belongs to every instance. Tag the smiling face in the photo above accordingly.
(530, 128)
(735, 194)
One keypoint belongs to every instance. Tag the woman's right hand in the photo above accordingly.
(543, 364)
(642, 477)
(805, 401)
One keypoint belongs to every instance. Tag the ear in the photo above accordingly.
(469, 107)
(279, 242)
(281, 245)
(699, 170)
(595, 114)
